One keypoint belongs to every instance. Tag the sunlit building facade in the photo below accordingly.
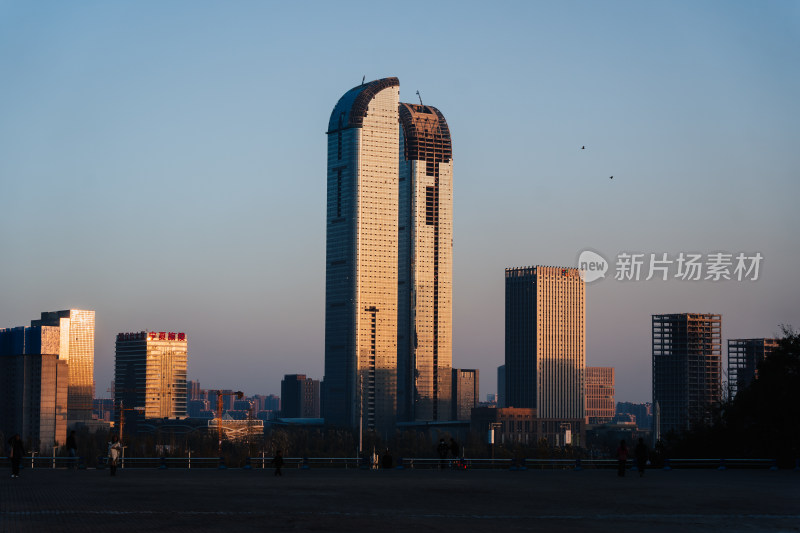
(466, 392)
(600, 406)
(77, 349)
(33, 386)
(545, 343)
(425, 336)
(362, 258)
(150, 374)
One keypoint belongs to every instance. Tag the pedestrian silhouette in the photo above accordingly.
(114, 451)
(443, 448)
(277, 462)
(622, 458)
(16, 454)
(641, 456)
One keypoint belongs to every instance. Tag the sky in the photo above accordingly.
(164, 163)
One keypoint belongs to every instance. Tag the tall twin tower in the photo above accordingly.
(389, 261)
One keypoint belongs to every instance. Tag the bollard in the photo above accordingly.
(247, 465)
(163, 465)
(721, 465)
(774, 465)
(221, 463)
(399, 464)
(578, 466)
(666, 465)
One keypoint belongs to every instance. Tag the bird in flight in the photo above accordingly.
(611, 178)
(583, 148)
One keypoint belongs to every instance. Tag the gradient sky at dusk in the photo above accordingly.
(164, 163)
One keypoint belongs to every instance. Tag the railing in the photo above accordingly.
(419, 463)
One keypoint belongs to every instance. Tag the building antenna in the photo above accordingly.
(363, 78)
(420, 98)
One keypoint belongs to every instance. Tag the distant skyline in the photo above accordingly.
(165, 165)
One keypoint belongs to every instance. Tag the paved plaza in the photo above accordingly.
(237, 500)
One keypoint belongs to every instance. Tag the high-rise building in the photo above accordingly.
(300, 396)
(425, 275)
(600, 407)
(744, 356)
(77, 348)
(687, 366)
(33, 386)
(501, 386)
(466, 393)
(361, 258)
(545, 343)
(150, 374)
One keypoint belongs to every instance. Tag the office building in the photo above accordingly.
(744, 356)
(466, 393)
(150, 375)
(361, 258)
(545, 342)
(77, 349)
(687, 367)
(33, 386)
(425, 275)
(600, 408)
(300, 397)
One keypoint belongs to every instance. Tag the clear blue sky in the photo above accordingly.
(164, 164)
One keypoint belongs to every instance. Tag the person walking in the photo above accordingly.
(114, 451)
(72, 448)
(277, 462)
(16, 454)
(622, 458)
(641, 456)
(443, 448)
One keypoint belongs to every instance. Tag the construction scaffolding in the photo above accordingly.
(744, 356)
(687, 369)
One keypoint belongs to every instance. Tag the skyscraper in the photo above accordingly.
(77, 348)
(33, 386)
(545, 343)
(150, 374)
(425, 275)
(687, 364)
(361, 258)
(744, 356)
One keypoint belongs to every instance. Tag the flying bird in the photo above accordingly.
(583, 148)
(611, 178)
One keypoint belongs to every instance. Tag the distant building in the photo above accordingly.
(300, 396)
(77, 348)
(687, 367)
(194, 392)
(501, 386)
(466, 393)
(522, 425)
(545, 343)
(33, 386)
(639, 413)
(150, 374)
(744, 356)
(599, 395)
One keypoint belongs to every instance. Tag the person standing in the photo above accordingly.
(114, 451)
(622, 458)
(72, 448)
(16, 454)
(641, 456)
(277, 462)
